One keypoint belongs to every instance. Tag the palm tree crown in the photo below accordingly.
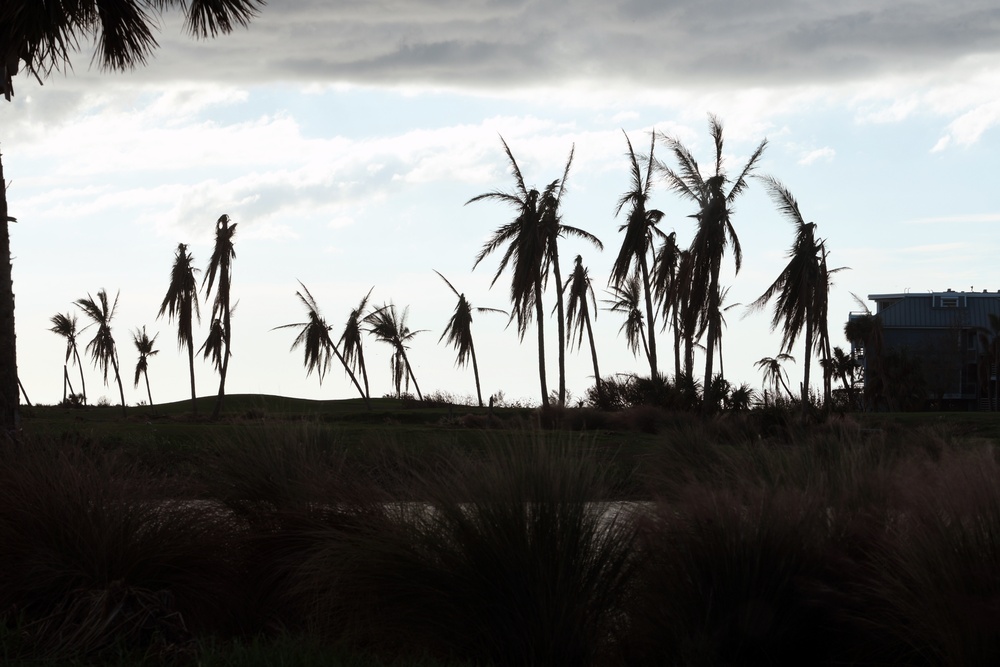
(102, 347)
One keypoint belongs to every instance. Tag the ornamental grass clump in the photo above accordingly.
(94, 553)
(503, 557)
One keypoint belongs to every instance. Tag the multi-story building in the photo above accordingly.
(934, 348)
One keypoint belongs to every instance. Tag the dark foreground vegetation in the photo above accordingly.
(301, 533)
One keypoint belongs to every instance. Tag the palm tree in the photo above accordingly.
(715, 231)
(181, 302)
(864, 331)
(554, 229)
(627, 298)
(351, 340)
(388, 326)
(526, 239)
(102, 347)
(43, 35)
(459, 333)
(639, 228)
(800, 290)
(581, 297)
(774, 374)
(144, 346)
(220, 335)
(65, 326)
(317, 346)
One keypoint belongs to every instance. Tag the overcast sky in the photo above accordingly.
(344, 139)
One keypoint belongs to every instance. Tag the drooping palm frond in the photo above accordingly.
(215, 344)
(45, 35)
(314, 336)
(627, 300)
(65, 326)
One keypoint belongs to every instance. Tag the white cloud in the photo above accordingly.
(826, 154)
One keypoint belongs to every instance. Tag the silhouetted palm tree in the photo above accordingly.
(554, 229)
(102, 347)
(43, 35)
(626, 301)
(800, 290)
(581, 297)
(388, 326)
(864, 332)
(317, 346)
(774, 374)
(526, 243)
(144, 346)
(458, 331)
(65, 326)
(354, 354)
(639, 228)
(181, 303)
(220, 335)
(714, 231)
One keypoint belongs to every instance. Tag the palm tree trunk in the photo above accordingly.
(475, 372)
(540, 317)
(194, 396)
(9, 400)
(713, 333)
(121, 390)
(66, 382)
(354, 379)
(148, 392)
(593, 352)
(650, 322)
(805, 372)
(224, 284)
(83, 385)
(677, 345)
(413, 377)
(364, 374)
(561, 328)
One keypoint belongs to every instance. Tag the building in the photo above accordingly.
(933, 349)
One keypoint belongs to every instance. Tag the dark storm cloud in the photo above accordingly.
(677, 43)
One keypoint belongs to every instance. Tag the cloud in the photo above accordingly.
(826, 154)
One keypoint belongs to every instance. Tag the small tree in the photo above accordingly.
(144, 346)
(102, 347)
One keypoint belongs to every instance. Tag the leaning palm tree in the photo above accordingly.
(317, 346)
(44, 35)
(389, 326)
(554, 229)
(351, 340)
(800, 290)
(65, 326)
(526, 243)
(640, 228)
(581, 297)
(626, 300)
(715, 231)
(102, 347)
(774, 374)
(458, 331)
(144, 346)
(220, 335)
(181, 303)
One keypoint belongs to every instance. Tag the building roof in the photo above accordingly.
(928, 310)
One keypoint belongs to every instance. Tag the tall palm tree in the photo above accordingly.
(581, 297)
(774, 374)
(458, 331)
(220, 335)
(389, 326)
(800, 290)
(714, 232)
(44, 35)
(525, 239)
(317, 346)
(144, 346)
(181, 303)
(627, 299)
(640, 228)
(65, 326)
(102, 347)
(554, 229)
(351, 340)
